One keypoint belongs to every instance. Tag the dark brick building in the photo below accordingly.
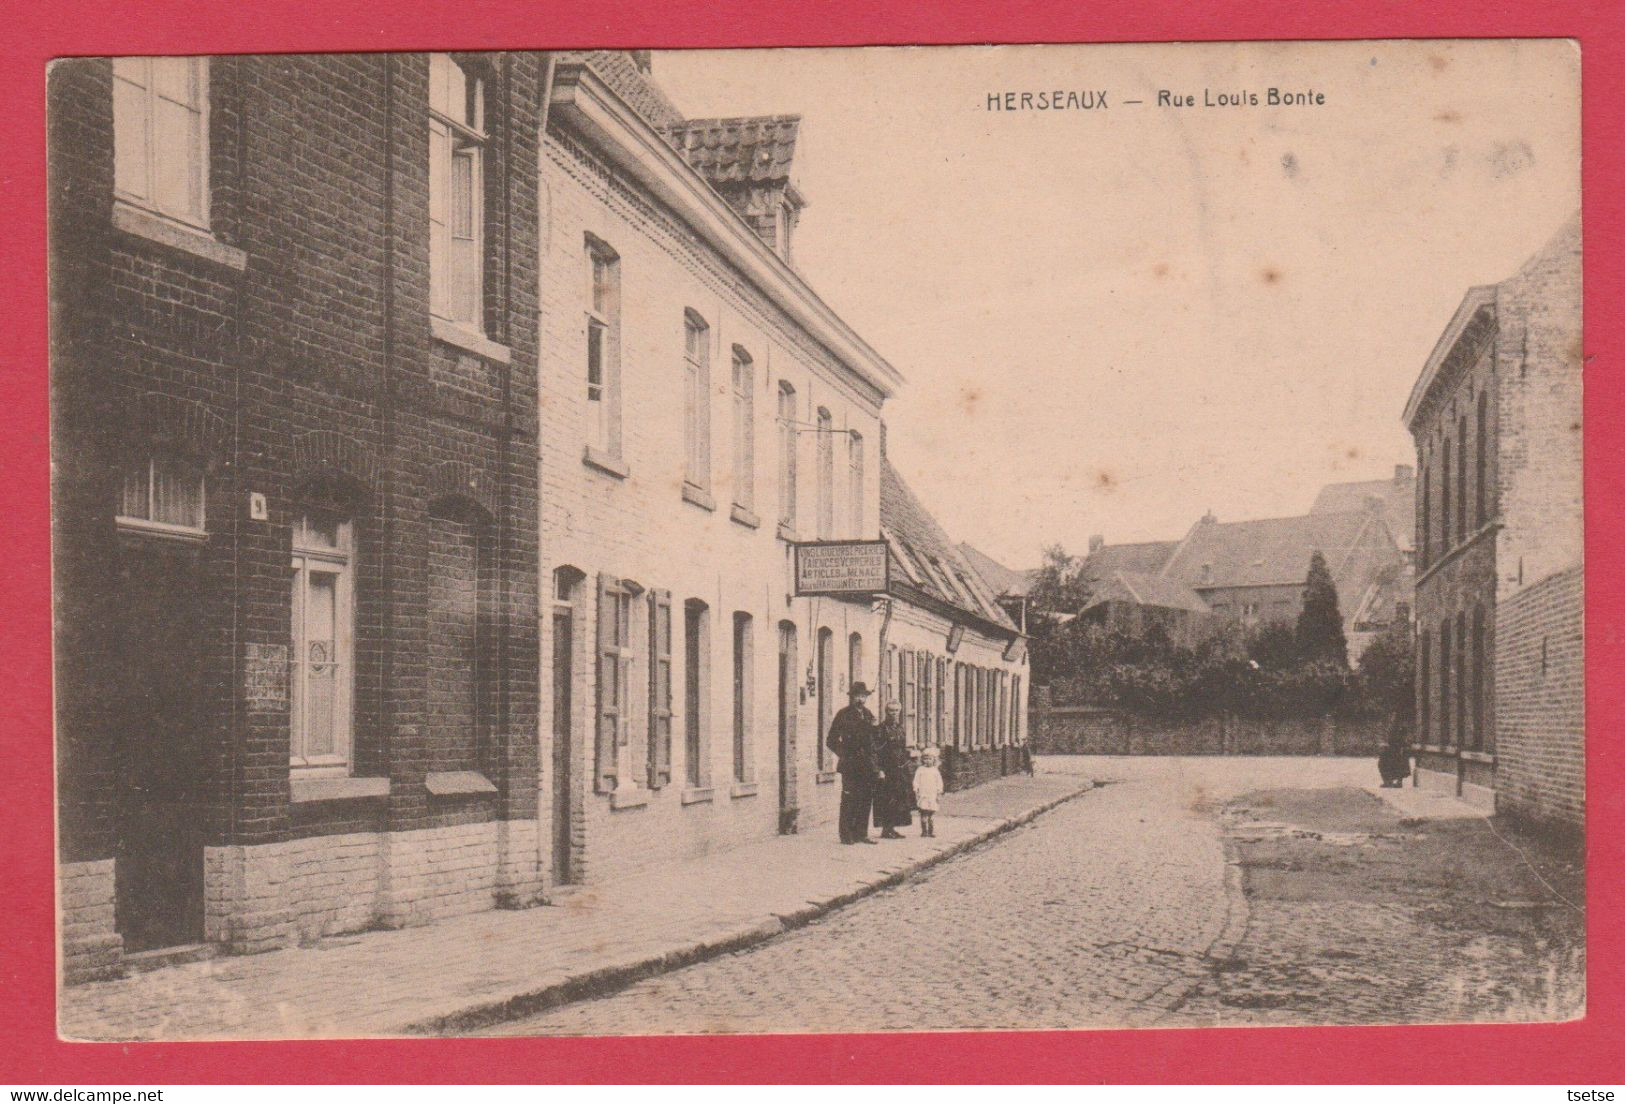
(1499, 578)
(295, 484)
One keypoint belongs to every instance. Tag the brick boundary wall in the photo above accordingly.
(1540, 702)
(1094, 730)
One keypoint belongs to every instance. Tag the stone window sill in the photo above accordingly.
(468, 340)
(303, 790)
(1479, 756)
(451, 783)
(825, 776)
(698, 794)
(188, 239)
(744, 517)
(787, 532)
(699, 496)
(604, 462)
(628, 799)
(743, 789)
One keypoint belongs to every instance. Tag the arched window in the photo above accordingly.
(1461, 479)
(744, 451)
(856, 481)
(1444, 497)
(696, 401)
(697, 692)
(323, 640)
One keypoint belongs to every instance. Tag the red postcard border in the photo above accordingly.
(1564, 1053)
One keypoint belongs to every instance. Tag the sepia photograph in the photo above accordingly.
(525, 524)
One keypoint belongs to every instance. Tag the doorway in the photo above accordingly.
(158, 875)
(788, 695)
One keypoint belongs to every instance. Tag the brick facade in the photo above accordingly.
(286, 352)
(1497, 422)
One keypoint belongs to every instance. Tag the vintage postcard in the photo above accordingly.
(829, 540)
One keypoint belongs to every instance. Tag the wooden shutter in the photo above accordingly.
(608, 682)
(943, 734)
(905, 686)
(659, 688)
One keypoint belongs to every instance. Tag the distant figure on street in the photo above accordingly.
(928, 791)
(852, 738)
(894, 789)
(1394, 761)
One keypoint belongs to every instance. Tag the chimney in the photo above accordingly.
(1404, 473)
(643, 60)
(1096, 543)
(1209, 518)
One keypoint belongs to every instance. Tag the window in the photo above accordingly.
(457, 575)
(944, 734)
(696, 692)
(855, 480)
(1445, 672)
(1424, 701)
(456, 191)
(323, 644)
(787, 454)
(743, 689)
(1463, 679)
(696, 401)
(161, 494)
(614, 676)
(1477, 696)
(659, 757)
(1426, 523)
(1482, 463)
(1444, 498)
(603, 348)
(854, 659)
(826, 475)
(1017, 736)
(744, 396)
(161, 136)
(1461, 479)
(906, 678)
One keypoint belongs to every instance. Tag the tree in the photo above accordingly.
(1059, 587)
(1388, 674)
(1320, 622)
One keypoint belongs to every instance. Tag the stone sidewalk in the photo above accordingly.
(479, 970)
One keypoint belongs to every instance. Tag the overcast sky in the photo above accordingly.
(1114, 320)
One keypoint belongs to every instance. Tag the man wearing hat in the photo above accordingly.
(851, 736)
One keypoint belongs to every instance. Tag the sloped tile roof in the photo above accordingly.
(617, 69)
(1147, 590)
(1146, 558)
(1003, 581)
(747, 150)
(924, 557)
(1269, 551)
(1396, 498)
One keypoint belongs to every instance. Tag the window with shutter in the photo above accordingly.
(927, 701)
(659, 688)
(614, 670)
(944, 735)
(743, 685)
(905, 691)
(696, 692)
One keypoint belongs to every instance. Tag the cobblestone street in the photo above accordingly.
(1121, 909)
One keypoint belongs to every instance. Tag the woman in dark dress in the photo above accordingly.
(894, 790)
(1394, 762)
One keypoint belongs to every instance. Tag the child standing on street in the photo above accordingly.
(928, 791)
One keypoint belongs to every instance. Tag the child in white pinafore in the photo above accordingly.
(928, 791)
